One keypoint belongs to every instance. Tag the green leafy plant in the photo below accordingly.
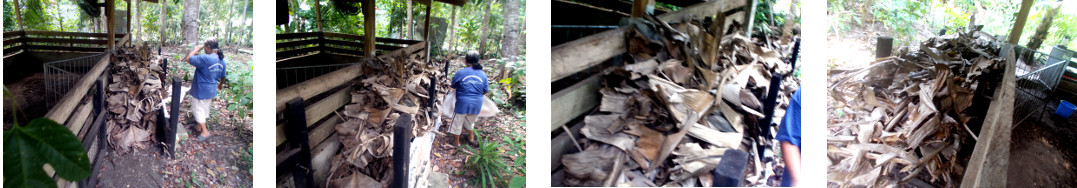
(28, 148)
(900, 16)
(487, 162)
(239, 94)
(516, 148)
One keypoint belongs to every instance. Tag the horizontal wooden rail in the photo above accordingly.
(572, 57)
(294, 36)
(324, 83)
(71, 34)
(56, 41)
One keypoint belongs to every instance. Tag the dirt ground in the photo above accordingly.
(224, 160)
(1042, 152)
(449, 158)
(29, 94)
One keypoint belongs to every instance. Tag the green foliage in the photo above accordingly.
(768, 12)
(466, 30)
(900, 16)
(239, 90)
(68, 15)
(514, 87)
(1064, 24)
(517, 182)
(487, 163)
(516, 145)
(28, 148)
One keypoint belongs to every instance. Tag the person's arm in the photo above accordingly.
(224, 77)
(192, 53)
(791, 154)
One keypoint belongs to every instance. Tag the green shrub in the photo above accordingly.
(28, 148)
(487, 163)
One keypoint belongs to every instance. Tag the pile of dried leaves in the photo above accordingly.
(910, 113)
(384, 92)
(134, 97)
(678, 104)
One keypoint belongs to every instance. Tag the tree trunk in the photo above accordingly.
(1041, 31)
(294, 24)
(508, 41)
(161, 21)
(243, 23)
(138, 19)
(318, 14)
(18, 15)
(452, 29)
(228, 18)
(407, 23)
(485, 24)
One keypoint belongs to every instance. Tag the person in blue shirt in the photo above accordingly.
(470, 84)
(209, 70)
(789, 135)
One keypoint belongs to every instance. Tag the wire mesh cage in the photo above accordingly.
(1038, 76)
(289, 76)
(62, 75)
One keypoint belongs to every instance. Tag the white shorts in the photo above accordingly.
(459, 121)
(200, 108)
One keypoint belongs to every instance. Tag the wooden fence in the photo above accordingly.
(578, 59)
(306, 136)
(16, 42)
(291, 45)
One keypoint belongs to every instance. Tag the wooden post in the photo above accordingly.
(642, 7)
(749, 17)
(426, 30)
(883, 46)
(129, 16)
(368, 28)
(110, 15)
(1019, 25)
(99, 97)
(298, 136)
(407, 22)
(401, 150)
(173, 115)
(718, 27)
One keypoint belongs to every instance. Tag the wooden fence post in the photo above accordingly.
(883, 47)
(298, 135)
(401, 150)
(99, 96)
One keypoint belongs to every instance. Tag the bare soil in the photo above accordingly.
(1042, 152)
(29, 95)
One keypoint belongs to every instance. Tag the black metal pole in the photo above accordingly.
(401, 150)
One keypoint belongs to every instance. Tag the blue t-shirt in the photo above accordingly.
(470, 85)
(209, 68)
(789, 130)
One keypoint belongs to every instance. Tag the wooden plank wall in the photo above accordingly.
(990, 158)
(15, 41)
(321, 116)
(582, 54)
(290, 45)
